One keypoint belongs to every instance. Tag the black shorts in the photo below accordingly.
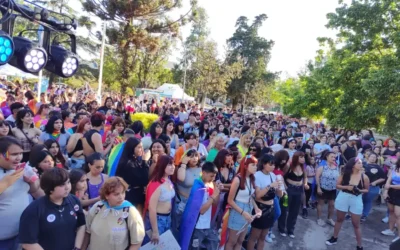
(267, 217)
(327, 195)
(394, 196)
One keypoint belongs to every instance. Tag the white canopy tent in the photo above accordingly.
(9, 70)
(174, 91)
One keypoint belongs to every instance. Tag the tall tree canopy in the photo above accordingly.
(139, 27)
(254, 52)
(355, 80)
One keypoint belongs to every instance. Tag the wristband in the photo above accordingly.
(242, 212)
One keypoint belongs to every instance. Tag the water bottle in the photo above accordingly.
(285, 200)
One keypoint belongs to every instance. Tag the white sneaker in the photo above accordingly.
(330, 222)
(272, 236)
(320, 222)
(283, 234)
(292, 236)
(268, 239)
(396, 239)
(388, 232)
(385, 220)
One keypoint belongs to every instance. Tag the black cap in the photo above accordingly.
(297, 135)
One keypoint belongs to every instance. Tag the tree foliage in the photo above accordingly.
(138, 27)
(253, 52)
(355, 80)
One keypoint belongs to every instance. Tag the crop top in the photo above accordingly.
(166, 194)
(395, 178)
(359, 186)
(294, 177)
(245, 194)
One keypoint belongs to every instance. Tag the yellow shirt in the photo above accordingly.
(108, 229)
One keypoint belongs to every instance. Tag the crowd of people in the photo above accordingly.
(214, 178)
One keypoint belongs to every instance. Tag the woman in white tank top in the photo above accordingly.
(242, 202)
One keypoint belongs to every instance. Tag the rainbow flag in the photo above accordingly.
(114, 157)
(191, 213)
(224, 229)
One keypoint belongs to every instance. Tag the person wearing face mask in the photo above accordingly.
(135, 171)
(352, 184)
(57, 213)
(55, 130)
(16, 188)
(114, 223)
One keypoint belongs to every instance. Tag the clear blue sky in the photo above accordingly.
(294, 25)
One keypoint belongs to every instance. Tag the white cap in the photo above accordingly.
(353, 138)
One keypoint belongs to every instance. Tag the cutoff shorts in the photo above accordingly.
(346, 202)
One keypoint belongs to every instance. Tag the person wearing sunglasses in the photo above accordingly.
(235, 132)
(254, 150)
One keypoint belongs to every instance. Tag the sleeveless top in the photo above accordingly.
(395, 178)
(88, 137)
(78, 147)
(245, 194)
(166, 194)
(190, 175)
(93, 190)
(329, 177)
(349, 153)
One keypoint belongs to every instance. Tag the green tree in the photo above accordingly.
(254, 52)
(138, 24)
(355, 81)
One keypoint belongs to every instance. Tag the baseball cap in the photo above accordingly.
(353, 138)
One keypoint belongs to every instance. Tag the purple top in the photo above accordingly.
(93, 190)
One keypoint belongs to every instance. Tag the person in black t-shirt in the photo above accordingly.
(55, 221)
(376, 177)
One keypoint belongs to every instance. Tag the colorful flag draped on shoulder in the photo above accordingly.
(224, 229)
(151, 188)
(114, 158)
(191, 213)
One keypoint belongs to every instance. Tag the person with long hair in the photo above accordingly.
(108, 105)
(26, 132)
(54, 129)
(169, 130)
(352, 183)
(212, 133)
(68, 118)
(392, 195)
(159, 195)
(326, 178)
(203, 130)
(188, 171)
(5, 129)
(31, 101)
(255, 150)
(41, 116)
(157, 148)
(296, 181)
(156, 130)
(134, 170)
(291, 146)
(244, 143)
(54, 149)
(179, 131)
(114, 215)
(241, 202)
(114, 136)
(75, 146)
(95, 177)
(137, 127)
(267, 187)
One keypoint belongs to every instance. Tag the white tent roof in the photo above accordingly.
(12, 71)
(174, 91)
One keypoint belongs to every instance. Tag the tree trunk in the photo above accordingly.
(235, 102)
(203, 99)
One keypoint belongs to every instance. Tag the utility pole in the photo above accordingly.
(103, 43)
(184, 72)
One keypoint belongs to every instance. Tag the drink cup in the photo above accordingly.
(30, 174)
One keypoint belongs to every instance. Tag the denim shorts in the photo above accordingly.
(236, 220)
(163, 223)
(346, 202)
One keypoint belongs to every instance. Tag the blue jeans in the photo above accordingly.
(368, 199)
(163, 224)
(10, 244)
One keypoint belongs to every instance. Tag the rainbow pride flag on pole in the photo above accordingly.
(114, 157)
